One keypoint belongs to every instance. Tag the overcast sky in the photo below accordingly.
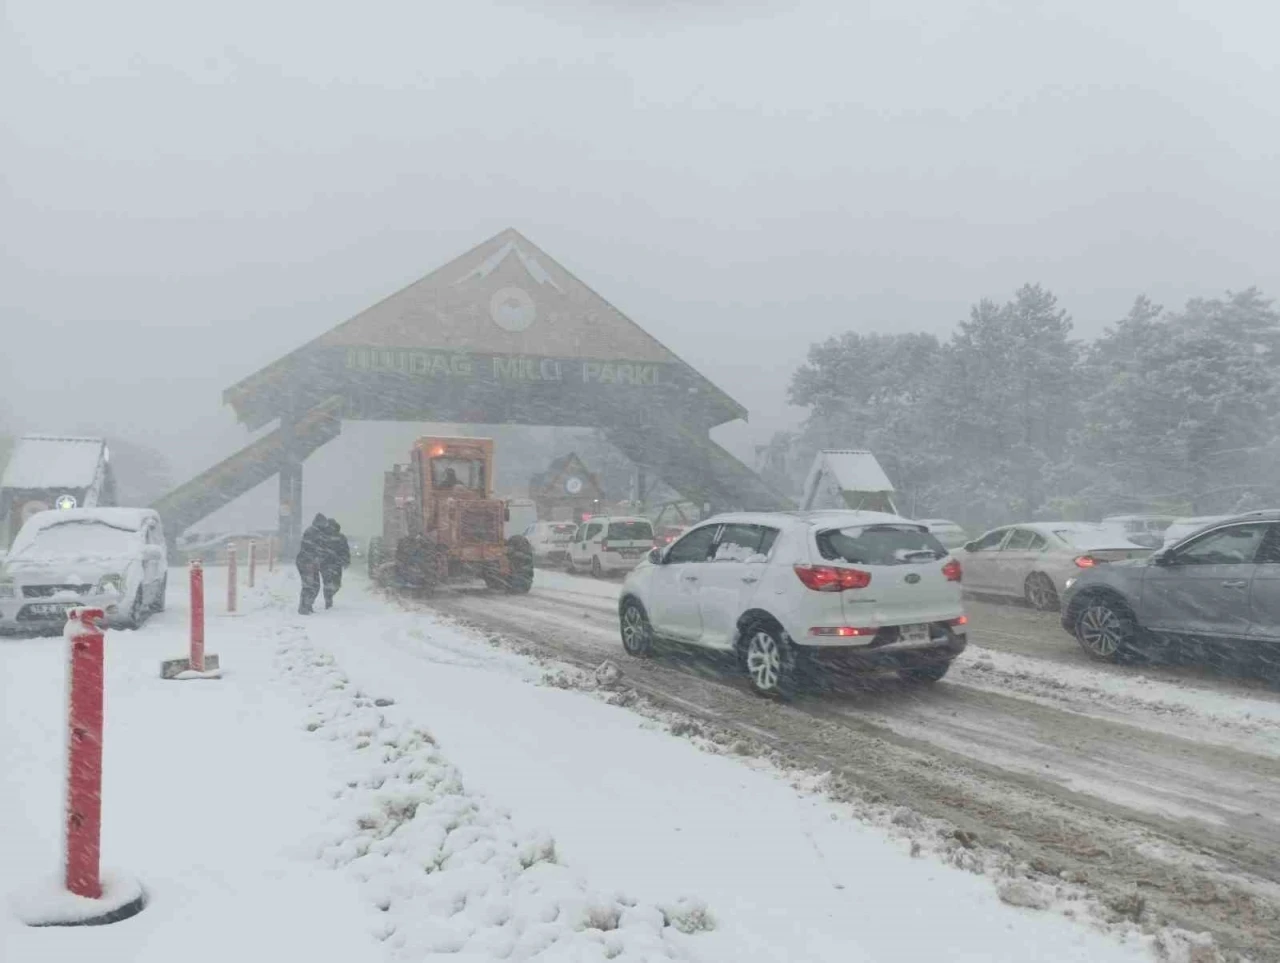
(190, 191)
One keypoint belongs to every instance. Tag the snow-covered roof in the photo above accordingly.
(853, 470)
(47, 461)
(818, 518)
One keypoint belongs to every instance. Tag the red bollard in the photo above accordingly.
(253, 561)
(84, 755)
(231, 577)
(197, 616)
(198, 665)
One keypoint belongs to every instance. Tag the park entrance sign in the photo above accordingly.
(501, 335)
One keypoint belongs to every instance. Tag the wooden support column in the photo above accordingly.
(290, 519)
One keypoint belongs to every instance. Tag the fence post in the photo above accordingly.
(271, 554)
(197, 616)
(231, 576)
(253, 561)
(84, 755)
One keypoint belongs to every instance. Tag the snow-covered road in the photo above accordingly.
(376, 783)
(1162, 782)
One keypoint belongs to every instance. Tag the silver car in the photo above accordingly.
(1036, 560)
(1218, 587)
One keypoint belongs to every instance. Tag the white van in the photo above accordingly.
(610, 543)
(521, 514)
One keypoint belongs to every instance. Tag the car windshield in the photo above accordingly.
(630, 531)
(71, 540)
(880, 545)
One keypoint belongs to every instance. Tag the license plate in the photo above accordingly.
(914, 633)
(52, 609)
(630, 553)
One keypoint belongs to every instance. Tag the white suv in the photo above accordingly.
(610, 543)
(796, 591)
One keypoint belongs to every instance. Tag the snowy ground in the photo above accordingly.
(373, 783)
(1159, 787)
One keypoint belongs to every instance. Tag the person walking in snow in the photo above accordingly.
(311, 554)
(337, 556)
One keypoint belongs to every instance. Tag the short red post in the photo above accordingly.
(197, 616)
(253, 561)
(84, 755)
(231, 576)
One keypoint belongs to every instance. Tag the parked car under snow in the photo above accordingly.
(108, 558)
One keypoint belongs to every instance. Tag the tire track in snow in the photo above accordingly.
(1194, 870)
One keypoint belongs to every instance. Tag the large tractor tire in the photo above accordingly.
(417, 567)
(520, 559)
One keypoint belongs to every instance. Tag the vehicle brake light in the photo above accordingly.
(828, 578)
(604, 545)
(961, 620)
(952, 571)
(1086, 561)
(843, 631)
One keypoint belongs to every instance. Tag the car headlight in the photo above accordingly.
(8, 589)
(110, 583)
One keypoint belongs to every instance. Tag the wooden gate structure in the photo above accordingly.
(501, 335)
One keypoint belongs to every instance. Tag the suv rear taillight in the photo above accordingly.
(1086, 561)
(828, 578)
(952, 571)
(604, 545)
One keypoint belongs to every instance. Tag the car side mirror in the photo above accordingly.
(1163, 557)
(969, 546)
(655, 556)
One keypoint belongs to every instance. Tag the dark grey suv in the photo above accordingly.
(1216, 590)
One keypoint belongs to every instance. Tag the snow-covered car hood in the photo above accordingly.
(71, 571)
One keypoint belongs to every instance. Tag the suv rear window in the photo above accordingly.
(630, 531)
(880, 545)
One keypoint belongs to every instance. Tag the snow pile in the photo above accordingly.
(49, 903)
(446, 871)
(1089, 690)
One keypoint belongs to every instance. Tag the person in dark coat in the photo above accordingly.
(312, 553)
(337, 556)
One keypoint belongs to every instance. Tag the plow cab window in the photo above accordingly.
(457, 473)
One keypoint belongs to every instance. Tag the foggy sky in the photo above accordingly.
(190, 192)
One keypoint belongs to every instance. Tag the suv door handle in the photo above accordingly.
(1234, 583)
(690, 578)
(750, 579)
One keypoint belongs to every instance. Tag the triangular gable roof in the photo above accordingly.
(48, 461)
(560, 469)
(851, 470)
(505, 296)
